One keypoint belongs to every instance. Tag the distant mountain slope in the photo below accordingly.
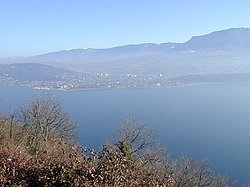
(31, 71)
(231, 39)
(223, 51)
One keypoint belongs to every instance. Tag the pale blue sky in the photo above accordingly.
(30, 27)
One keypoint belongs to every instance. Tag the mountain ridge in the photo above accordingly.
(222, 51)
(168, 45)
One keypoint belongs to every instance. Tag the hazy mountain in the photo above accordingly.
(223, 51)
(231, 39)
(31, 71)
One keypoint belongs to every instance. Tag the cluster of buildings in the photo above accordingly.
(97, 80)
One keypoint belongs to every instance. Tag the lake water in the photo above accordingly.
(206, 122)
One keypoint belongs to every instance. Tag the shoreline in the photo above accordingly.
(125, 88)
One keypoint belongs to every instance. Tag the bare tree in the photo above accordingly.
(188, 172)
(132, 136)
(9, 131)
(222, 181)
(136, 141)
(43, 119)
(3, 130)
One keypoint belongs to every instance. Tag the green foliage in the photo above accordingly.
(126, 149)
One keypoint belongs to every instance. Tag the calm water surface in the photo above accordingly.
(207, 122)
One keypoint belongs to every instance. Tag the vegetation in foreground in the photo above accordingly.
(38, 148)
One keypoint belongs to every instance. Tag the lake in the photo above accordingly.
(207, 122)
